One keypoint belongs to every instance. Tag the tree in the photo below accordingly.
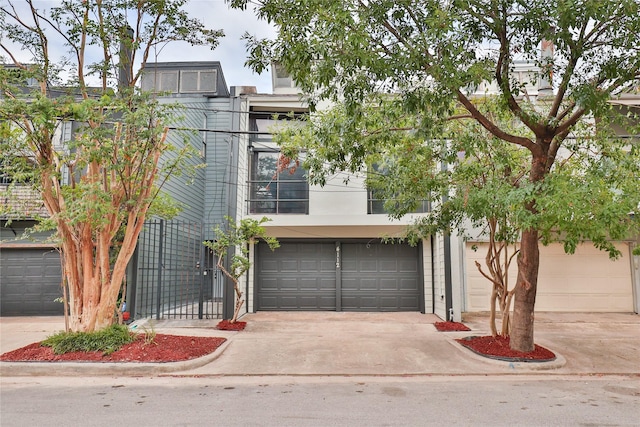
(419, 62)
(106, 177)
(236, 238)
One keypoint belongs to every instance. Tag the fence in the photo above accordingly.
(175, 275)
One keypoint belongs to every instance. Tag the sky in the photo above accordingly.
(231, 52)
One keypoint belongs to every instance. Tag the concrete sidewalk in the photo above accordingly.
(357, 344)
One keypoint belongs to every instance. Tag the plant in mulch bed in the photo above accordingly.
(106, 340)
(238, 236)
(451, 326)
(226, 325)
(498, 348)
(164, 348)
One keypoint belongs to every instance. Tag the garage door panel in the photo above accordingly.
(389, 265)
(268, 265)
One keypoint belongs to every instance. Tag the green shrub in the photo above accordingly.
(106, 340)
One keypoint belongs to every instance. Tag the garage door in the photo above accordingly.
(379, 277)
(311, 276)
(585, 281)
(30, 281)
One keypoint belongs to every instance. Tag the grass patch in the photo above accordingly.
(105, 340)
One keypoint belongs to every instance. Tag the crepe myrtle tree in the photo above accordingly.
(231, 244)
(102, 182)
(418, 63)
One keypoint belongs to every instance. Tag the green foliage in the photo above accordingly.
(398, 73)
(96, 148)
(149, 335)
(237, 236)
(106, 340)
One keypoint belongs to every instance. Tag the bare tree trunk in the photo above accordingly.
(506, 315)
(492, 313)
(525, 292)
(528, 265)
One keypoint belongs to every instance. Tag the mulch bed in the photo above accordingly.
(498, 348)
(451, 326)
(225, 325)
(164, 348)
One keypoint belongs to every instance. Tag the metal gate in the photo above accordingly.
(174, 275)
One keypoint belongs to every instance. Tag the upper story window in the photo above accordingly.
(376, 199)
(277, 185)
(180, 81)
(198, 81)
(281, 78)
(375, 204)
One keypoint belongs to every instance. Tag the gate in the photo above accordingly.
(174, 274)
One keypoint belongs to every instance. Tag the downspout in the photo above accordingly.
(635, 276)
(232, 209)
(448, 291)
(433, 277)
(448, 288)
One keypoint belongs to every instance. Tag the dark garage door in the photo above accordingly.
(297, 276)
(369, 277)
(30, 282)
(380, 277)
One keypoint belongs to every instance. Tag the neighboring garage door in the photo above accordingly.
(307, 276)
(585, 281)
(30, 282)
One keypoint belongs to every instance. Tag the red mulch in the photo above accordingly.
(164, 348)
(498, 348)
(225, 325)
(450, 326)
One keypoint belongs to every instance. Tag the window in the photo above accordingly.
(198, 81)
(375, 204)
(277, 192)
(160, 81)
(183, 81)
(281, 78)
(376, 198)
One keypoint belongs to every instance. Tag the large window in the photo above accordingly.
(276, 187)
(376, 198)
(376, 201)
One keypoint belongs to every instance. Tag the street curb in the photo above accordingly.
(25, 369)
(557, 363)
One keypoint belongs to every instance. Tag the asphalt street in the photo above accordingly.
(321, 401)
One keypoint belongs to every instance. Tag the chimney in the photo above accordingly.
(545, 87)
(243, 90)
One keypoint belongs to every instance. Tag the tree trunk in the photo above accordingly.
(525, 293)
(528, 265)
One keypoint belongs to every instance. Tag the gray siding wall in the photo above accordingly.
(187, 186)
(219, 161)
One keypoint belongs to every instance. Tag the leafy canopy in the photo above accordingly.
(401, 73)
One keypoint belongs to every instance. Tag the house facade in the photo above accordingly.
(332, 256)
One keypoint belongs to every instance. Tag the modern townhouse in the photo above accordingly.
(332, 256)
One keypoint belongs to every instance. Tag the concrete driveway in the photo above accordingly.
(356, 344)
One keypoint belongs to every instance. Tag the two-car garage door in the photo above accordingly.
(342, 276)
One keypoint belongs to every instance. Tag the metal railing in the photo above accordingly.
(175, 276)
